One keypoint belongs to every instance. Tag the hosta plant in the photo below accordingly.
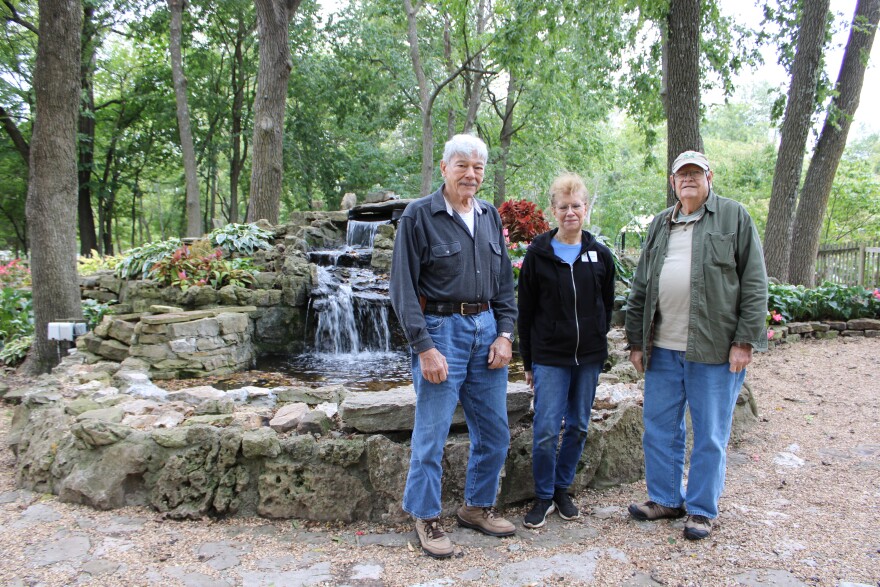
(241, 238)
(139, 261)
(186, 268)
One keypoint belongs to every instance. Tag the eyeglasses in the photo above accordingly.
(689, 175)
(572, 207)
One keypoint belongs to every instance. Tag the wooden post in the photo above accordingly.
(860, 265)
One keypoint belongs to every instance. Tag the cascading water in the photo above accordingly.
(348, 312)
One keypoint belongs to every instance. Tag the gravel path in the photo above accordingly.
(800, 508)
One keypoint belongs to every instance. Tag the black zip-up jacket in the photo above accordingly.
(565, 310)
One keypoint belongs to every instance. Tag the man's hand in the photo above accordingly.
(500, 353)
(635, 357)
(530, 380)
(740, 356)
(433, 365)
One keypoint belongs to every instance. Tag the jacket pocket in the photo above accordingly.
(720, 249)
(446, 259)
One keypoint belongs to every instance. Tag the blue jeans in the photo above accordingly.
(464, 341)
(709, 391)
(560, 392)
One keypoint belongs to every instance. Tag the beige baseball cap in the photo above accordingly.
(690, 158)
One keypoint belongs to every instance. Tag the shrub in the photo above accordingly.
(139, 261)
(16, 314)
(522, 220)
(14, 274)
(15, 351)
(186, 268)
(95, 263)
(829, 301)
(94, 311)
(241, 238)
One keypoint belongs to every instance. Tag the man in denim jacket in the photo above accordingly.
(696, 312)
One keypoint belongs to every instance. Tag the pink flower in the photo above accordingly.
(777, 317)
(181, 274)
(770, 334)
(877, 293)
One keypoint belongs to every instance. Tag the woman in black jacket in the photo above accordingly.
(565, 297)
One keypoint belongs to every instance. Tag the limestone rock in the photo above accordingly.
(113, 414)
(314, 422)
(220, 420)
(311, 396)
(395, 409)
(287, 418)
(95, 432)
(863, 324)
(196, 395)
(260, 443)
(80, 405)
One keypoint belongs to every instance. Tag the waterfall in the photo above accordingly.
(360, 233)
(351, 319)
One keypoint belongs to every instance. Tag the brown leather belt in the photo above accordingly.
(449, 308)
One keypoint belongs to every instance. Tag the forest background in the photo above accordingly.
(579, 90)
(193, 115)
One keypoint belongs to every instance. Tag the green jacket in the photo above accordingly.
(728, 284)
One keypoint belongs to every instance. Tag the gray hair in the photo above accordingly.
(465, 146)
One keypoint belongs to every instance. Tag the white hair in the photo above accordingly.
(465, 146)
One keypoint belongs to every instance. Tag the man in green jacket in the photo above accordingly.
(696, 312)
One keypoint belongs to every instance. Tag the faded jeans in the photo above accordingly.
(709, 392)
(464, 341)
(560, 392)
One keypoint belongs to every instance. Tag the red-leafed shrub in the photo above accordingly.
(523, 220)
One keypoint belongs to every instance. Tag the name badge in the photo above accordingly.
(590, 256)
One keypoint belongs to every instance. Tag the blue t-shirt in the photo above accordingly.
(567, 253)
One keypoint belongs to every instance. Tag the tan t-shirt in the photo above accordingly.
(674, 302)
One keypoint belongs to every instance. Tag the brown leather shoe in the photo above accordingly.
(485, 520)
(653, 511)
(434, 540)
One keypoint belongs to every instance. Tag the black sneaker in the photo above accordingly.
(537, 516)
(565, 506)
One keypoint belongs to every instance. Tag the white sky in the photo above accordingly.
(867, 117)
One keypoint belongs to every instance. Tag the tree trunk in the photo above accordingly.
(236, 160)
(795, 129)
(267, 164)
(507, 132)
(474, 86)
(52, 179)
(412, 37)
(447, 58)
(193, 204)
(832, 140)
(88, 240)
(683, 83)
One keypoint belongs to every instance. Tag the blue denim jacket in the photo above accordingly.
(435, 256)
(728, 284)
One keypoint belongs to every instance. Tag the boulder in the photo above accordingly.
(394, 409)
(287, 418)
(314, 422)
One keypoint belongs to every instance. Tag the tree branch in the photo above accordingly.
(18, 19)
(21, 145)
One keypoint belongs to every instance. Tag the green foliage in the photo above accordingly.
(94, 311)
(97, 262)
(15, 351)
(241, 238)
(139, 261)
(16, 314)
(186, 268)
(829, 301)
